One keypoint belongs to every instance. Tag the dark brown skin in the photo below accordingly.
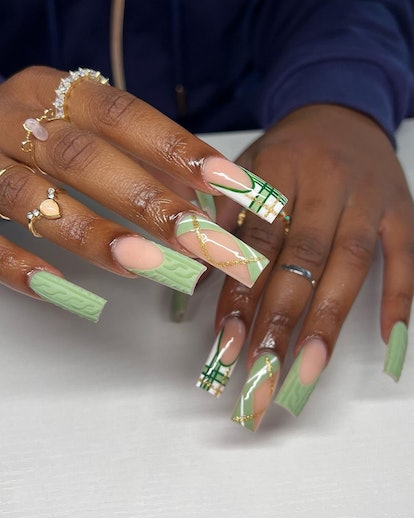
(346, 192)
(345, 186)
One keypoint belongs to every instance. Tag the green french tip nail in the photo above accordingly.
(249, 411)
(67, 295)
(397, 348)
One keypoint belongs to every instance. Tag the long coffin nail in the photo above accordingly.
(219, 248)
(223, 357)
(303, 376)
(257, 392)
(207, 204)
(397, 347)
(66, 295)
(156, 262)
(244, 187)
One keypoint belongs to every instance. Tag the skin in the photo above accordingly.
(345, 186)
(100, 152)
(346, 192)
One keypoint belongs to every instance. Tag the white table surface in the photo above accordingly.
(105, 420)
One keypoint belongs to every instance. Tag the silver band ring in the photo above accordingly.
(298, 270)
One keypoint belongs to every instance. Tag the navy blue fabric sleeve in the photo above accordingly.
(356, 53)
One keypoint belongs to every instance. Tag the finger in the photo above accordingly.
(30, 275)
(397, 236)
(235, 312)
(135, 126)
(93, 166)
(30, 199)
(344, 274)
(305, 249)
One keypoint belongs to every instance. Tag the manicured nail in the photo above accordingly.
(156, 262)
(397, 347)
(179, 304)
(303, 376)
(257, 392)
(207, 204)
(244, 187)
(219, 248)
(223, 357)
(66, 295)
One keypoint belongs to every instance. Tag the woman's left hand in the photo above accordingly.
(346, 190)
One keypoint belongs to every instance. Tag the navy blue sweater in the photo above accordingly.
(243, 63)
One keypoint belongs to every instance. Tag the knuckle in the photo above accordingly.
(173, 147)
(306, 246)
(13, 190)
(112, 107)
(79, 229)
(330, 313)
(261, 238)
(402, 298)
(148, 203)
(279, 319)
(71, 149)
(358, 250)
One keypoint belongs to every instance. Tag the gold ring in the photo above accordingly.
(8, 168)
(287, 220)
(67, 83)
(241, 217)
(35, 129)
(49, 209)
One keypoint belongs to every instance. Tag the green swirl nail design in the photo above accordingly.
(67, 295)
(249, 410)
(226, 257)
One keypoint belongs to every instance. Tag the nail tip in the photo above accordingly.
(216, 394)
(394, 376)
(293, 412)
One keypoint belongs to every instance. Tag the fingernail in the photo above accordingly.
(179, 304)
(244, 187)
(66, 295)
(257, 392)
(157, 262)
(397, 347)
(303, 376)
(223, 357)
(207, 204)
(216, 246)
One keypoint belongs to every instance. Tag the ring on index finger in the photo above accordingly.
(66, 85)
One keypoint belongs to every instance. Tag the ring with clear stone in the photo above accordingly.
(49, 209)
(67, 83)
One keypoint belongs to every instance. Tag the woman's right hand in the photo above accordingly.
(98, 148)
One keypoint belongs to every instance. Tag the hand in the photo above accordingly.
(103, 142)
(346, 190)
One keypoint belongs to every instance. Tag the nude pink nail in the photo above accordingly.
(156, 262)
(208, 241)
(223, 356)
(244, 187)
(303, 376)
